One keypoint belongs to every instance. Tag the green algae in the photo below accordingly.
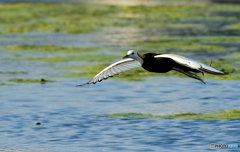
(76, 57)
(63, 17)
(230, 114)
(196, 39)
(186, 44)
(224, 8)
(233, 56)
(94, 57)
(49, 59)
(178, 46)
(82, 18)
(47, 48)
(13, 72)
(234, 26)
(29, 80)
(164, 15)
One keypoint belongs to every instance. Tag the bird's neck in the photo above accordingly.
(140, 58)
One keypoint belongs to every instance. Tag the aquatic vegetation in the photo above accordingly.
(231, 114)
(234, 26)
(76, 57)
(82, 18)
(53, 59)
(233, 56)
(47, 48)
(178, 46)
(13, 72)
(94, 57)
(63, 17)
(29, 80)
(210, 39)
(164, 15)
(186, 44)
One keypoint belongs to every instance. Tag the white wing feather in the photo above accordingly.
(115, 68)
(191, 63)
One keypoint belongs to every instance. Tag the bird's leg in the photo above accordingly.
(190, 74)
(203, 75)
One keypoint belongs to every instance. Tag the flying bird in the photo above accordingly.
(158, 63)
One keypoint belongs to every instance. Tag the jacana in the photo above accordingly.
(158, 63)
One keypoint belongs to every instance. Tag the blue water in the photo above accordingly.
(71, 118)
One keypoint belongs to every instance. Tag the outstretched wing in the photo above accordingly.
(115, 68)
(201, 67)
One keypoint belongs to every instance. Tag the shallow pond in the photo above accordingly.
(42, 61)
(71, 118)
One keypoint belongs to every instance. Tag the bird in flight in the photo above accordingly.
(158, 63)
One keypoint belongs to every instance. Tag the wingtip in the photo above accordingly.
(80, 85)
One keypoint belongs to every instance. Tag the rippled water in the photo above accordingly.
(70, 117)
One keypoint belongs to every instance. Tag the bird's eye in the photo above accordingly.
(132, 53)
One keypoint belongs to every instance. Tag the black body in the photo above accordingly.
(162, 65)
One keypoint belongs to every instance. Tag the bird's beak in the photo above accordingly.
(127, 56)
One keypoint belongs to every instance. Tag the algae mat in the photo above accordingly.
(208, 31)
(231, 114)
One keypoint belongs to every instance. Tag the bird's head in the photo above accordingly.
(134, 55)
(131, 54)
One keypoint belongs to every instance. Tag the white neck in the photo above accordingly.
(139, 59)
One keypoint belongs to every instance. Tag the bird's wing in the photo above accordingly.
(191, 63)
(115, 68)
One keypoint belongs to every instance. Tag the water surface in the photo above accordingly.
(71, 118)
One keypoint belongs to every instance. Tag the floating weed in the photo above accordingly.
(160, 15)
(196, 39)
(82, 18)
(76, 57)
(231, 114)
(89, 70)
(53, 59)
(210, 128)
(94, 57)
(29, 80)
(234, 26)
(47, 48)
(183, 45)
(16, 55)
(64, 17)
(13, 72)
(233, 56)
